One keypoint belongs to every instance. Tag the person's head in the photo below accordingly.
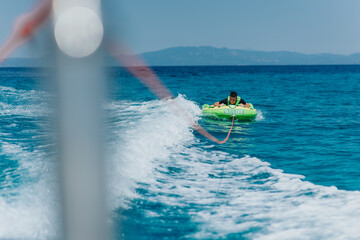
(233, 98)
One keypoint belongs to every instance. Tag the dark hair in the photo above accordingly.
(233, 94)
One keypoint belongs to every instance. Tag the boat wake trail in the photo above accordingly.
(28, 200)
(161, 171)
(163, 177)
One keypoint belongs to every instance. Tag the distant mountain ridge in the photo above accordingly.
(21, 62)
(210, 56)
(194, 56)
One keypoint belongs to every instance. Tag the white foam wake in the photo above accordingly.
(28, 203)
(28, 211)
(152, 146)
(264, 203)
(29, 103)
(254, 200)
(144, 134)
(260, 116)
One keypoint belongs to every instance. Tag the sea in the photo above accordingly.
(292, 173)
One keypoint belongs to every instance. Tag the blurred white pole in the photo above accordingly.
(80, 88)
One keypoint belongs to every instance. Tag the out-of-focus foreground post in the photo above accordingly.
(78, 32)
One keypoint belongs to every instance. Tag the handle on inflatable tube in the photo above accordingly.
(207, 106)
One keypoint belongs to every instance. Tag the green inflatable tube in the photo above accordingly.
(226, 112)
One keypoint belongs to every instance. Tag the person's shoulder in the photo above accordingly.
(223, 101)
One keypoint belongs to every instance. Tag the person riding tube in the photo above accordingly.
(234, 100)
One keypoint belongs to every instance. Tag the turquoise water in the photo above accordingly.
(293, 173)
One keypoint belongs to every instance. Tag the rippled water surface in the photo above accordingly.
(291, 174)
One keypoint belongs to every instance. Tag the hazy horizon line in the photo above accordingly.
(209, 46)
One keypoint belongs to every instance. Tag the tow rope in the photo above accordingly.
(227, 137)
(203, 132)
(223, 164)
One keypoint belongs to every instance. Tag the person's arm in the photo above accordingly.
(220, 103)
(244, 104)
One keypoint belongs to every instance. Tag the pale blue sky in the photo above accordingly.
(307, 26)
